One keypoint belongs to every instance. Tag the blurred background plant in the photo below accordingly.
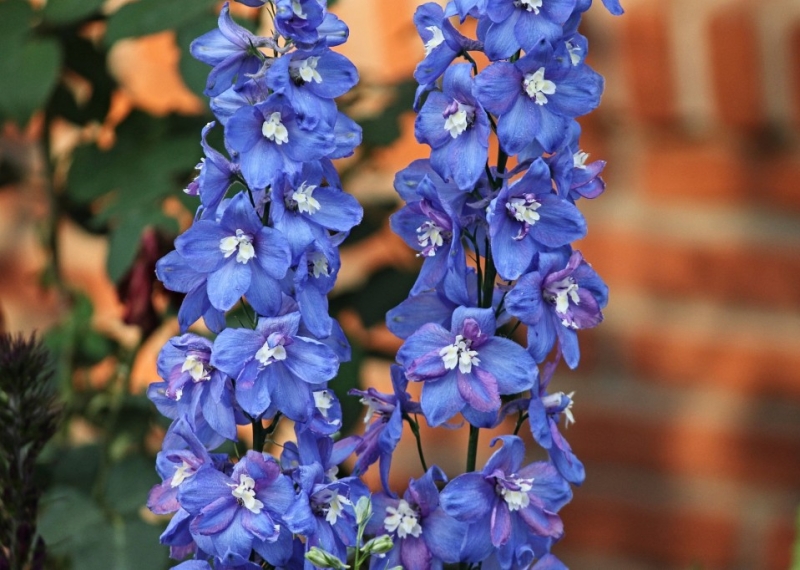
(106, 169)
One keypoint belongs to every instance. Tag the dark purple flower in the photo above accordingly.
(465, 369)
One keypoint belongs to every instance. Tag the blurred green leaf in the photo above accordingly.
(34, 67)
(15, 21)
(77, 467)
(151, 16)
(125, 239)
(67, 515)
(67, 11)
(129, 482)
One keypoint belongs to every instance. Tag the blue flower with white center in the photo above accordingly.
(271, 141)
(456, 127)
(236, 513)
(195, 386)
(574, 176)
(467, 368)
(506, 496)
(305, 209)
(423, 535)
(537, 97)
(274, 368)
(232, 50)
(313, 279)
(217, 173)
(560, 296)
(177, 274)
(240, 255)
(527, 217)
(521, 24)
(311, 80)
(181, 457)
(442, 42)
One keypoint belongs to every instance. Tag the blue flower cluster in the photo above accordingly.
(264, 243)
(495, 239)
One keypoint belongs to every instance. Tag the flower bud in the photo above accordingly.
(363, 510)
(322, 559)
(379, 545)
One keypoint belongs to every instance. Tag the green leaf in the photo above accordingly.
(67, 516)
(30, 70)
(151, 16)
(15, 20)
(125, 239)
(129, 482)
(68, 11)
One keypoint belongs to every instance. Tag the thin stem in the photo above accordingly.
(520, 420)
(259, 435)
(415, 430)
(465, 55)
(488, 278)
(472, 450)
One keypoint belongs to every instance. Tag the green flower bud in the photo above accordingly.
(322, 559)
(379, 545)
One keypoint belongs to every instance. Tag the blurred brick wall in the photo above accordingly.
(688, 395)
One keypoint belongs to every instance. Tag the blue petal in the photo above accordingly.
(468, 497)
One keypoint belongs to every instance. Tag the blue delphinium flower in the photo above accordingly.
(560, 296)
(240, 255)
(456, 127)
(241, 511)
(274, 367)
(508, 502)
(467, 368)
(522, 24)
(179, 275)
(536, 97)
(423, 535)
(527, 217)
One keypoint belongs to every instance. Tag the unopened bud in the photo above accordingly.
(379, 545)
(363, 510)
(322, 559)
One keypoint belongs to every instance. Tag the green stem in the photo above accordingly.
(490, 273)
(472, 450)
(415, 430)
(520, 420)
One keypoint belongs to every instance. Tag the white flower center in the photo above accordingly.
(574, 53)
(402, 519)
(516, 499)
(273, 129)
(196, 369)
(303, 197)
(241, 244)
(323, 400)
(458, 122)
(267, 354)
(308, 70)
(246, 495)
(182, 472)
(579, 159)
(569, 417)
(459, 353)
(436, 39)
(318, 264)
(530, 5)
(335, 507)
(562, 293)
(524, 210)
(372, 407)
(537, 87)
(429, 236)
(298, 9)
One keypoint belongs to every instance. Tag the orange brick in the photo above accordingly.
(780, 181)
(655, 537)
(648, 65)
(731, 273)
(737, 75)
(748, 366)
(681, 168)
(780, 544)
(687, 448)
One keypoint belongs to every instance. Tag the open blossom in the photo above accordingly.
(467, 368)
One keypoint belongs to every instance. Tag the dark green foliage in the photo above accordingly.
(29, 416)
